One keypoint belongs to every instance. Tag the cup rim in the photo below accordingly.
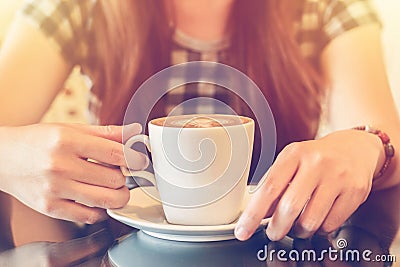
(248, 120)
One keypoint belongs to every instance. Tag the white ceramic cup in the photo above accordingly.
(200, 173)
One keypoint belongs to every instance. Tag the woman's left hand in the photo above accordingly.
(314, 185)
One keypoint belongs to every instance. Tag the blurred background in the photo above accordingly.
(388, 10)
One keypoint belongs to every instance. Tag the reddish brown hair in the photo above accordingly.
(133, 41)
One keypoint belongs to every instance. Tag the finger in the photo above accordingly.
(97, 174)
(109, 152)
(111, 132)
(76, 212)
(272, 207)
(276, 181)
(315, 212)
(292, 203)
(342, 209)
(95, 196)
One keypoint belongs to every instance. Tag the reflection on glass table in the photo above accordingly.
(367, 239)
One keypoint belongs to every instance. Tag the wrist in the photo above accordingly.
(386, 149)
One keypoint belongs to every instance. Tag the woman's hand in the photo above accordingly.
(314, 185)
(45, 166)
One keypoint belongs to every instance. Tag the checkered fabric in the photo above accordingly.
(67, 22)
(179, 99)
(323, 20)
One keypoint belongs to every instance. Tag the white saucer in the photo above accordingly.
(146, 213)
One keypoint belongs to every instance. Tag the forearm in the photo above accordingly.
(359, 93)
(32, 72)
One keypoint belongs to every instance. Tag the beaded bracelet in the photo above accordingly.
(389, 149)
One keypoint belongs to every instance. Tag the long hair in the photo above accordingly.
(133, 41)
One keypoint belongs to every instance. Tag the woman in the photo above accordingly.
(298, 54)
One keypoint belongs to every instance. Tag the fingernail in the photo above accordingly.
(136, 160)
(241, 233)
(271, 234)
(133, 128)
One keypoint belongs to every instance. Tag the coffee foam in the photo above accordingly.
(200, 121)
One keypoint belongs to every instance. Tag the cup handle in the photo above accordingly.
(142, 174)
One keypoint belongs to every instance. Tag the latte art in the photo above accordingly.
(200, 121)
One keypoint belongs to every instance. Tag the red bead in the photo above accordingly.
(384, 137)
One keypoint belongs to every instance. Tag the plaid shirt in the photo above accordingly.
(320, 21)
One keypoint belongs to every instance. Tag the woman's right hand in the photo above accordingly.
(45, 166)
